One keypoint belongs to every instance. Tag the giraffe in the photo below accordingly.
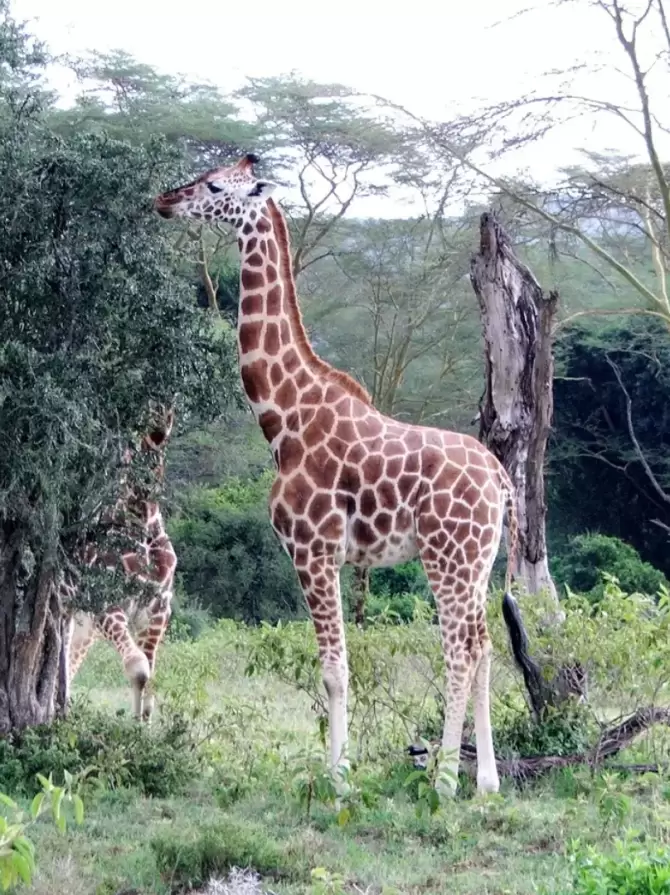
(152, 561)
(355, 486)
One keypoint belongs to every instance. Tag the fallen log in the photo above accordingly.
(610, 743)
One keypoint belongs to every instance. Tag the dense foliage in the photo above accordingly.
(230, 558)
(597, 479)
(590, 559)
(109, 752)
(97, 324)
(236, 770)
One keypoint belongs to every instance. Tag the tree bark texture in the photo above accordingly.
(517, 404)
(30, 635)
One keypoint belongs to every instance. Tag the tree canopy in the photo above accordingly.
(97, 323)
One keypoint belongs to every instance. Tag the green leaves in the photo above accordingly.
(17, 853)
(631, 870)
(97, 320)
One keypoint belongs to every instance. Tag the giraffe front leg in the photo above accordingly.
(149, 638)
(321, 584)
(114, 627)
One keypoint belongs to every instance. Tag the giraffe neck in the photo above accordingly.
(278, 366)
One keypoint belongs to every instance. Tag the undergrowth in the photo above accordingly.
(241, 728)
(114, 751)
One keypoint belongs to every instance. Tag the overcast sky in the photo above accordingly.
(433, 62)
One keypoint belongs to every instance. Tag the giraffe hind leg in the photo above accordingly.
(467, 654)
(487, 771)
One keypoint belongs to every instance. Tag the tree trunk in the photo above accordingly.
(517, 404)
(30, 623)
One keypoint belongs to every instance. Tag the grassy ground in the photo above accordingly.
(248, 806)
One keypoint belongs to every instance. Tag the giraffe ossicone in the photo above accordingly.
(352, 485)
(151, 562)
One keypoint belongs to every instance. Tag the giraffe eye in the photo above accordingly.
(213, 188)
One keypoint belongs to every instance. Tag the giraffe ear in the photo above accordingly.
(262, 189)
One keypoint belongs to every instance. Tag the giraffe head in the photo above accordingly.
(226, 195)
(161, 421)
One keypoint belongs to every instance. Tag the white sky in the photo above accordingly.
(433, 62)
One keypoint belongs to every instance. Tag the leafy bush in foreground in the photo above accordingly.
(158, 760)
(632, 870)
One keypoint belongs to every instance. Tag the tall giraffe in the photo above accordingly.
(354, 486)
(152, 562)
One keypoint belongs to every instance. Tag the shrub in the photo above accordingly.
(589, 556)
(397, 607)
(632, 870)
(218, 847)
(189, 621)
(408, 577)
(158, 761)
(565, 730)
(229, 556)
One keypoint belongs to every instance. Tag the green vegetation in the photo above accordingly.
(239, 748)
(103, 310)
(589, 559)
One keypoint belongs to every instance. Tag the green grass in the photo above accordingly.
(512, 844)
(261, 743)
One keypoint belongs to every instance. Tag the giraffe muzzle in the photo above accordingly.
(164, 210)
(165, 205)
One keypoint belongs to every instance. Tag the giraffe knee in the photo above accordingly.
(138, 671)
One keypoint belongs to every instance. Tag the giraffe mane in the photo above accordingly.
(339, 377)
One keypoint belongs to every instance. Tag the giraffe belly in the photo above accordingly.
(388, 550)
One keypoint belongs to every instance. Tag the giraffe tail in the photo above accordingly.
(512, 532)
(510, 608)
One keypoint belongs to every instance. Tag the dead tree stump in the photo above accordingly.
(516, 408)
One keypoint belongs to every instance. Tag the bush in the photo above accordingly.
(158, 761)
(406, 578)
(218, 847)
(229, 556)
(565, 730)
(189, 621)
(588, 556)
(397, 607)
(631, 870)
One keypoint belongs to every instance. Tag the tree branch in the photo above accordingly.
(633, 437)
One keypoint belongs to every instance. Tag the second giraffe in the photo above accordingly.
(151, 562)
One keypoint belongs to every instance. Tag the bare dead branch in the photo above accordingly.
(633, 437)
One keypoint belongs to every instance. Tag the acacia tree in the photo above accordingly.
(95, 324)
(604, 202)
(607, 205)
(323, 139)
(131, 100)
